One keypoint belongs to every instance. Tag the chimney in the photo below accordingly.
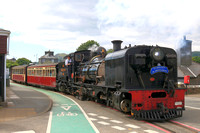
(50, 53)
(185, 52)
(116, 45)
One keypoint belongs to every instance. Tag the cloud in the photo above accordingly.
(154, 21)
(62, 25)
(55, 24)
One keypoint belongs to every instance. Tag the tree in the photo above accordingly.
(10, 63)
(23, 61)
(196, 53)
(109, 51)
(86, 45)
(196, 59)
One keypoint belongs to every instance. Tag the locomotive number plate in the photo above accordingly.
(157, 69)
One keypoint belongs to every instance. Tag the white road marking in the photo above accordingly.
(10, 103)
(30, 131)
(66, 108)
(115, 121)
(13, 97)
(92, 124)
(49, 123)
(150, 131)
(92, 114)
(93, 119)
(103, 123)
(118, 128)
(103, 117)
(192, 107)
(132, 126)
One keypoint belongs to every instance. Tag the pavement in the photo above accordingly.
(23, 103)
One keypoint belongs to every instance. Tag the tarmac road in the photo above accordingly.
(108, 120)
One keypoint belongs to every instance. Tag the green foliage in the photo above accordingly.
(196, 53)
(23, 61)
(109, 51)
(196, 59)
(10, 63)
(60, 56)
(86, 45)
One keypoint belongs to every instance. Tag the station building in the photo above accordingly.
(48, 58)
(4, 50)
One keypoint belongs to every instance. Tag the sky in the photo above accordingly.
(62, 25)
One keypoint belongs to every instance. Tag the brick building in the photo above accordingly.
(4, 49)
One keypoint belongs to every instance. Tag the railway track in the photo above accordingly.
(169, 126)
(172, 126)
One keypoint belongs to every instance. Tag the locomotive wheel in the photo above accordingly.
(61, 88)
(125, 105)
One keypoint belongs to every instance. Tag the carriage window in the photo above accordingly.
(53, 73)
(40, 72)
(37, 72)
(50, 73)
(32, 72)
(28, 72)
(47, 73)
(44, 72)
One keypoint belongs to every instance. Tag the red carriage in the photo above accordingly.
(19, 74)
(42, 75)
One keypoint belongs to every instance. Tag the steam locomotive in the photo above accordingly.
(141, 80)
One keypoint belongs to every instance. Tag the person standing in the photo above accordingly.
(68, 63)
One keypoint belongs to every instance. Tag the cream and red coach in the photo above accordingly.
(19, 74)
(42, 75)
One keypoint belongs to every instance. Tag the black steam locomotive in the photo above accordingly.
(140, 79)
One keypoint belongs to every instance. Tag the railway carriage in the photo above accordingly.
(18, 74)
(42, 75)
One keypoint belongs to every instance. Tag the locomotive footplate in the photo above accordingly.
(156, 115)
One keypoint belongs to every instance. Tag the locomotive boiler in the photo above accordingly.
(93, 69)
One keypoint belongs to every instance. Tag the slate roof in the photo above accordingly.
(193, 70)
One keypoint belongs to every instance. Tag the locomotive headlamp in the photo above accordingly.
(178, 103)
(157, 54)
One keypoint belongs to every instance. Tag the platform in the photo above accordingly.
(23, 103)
